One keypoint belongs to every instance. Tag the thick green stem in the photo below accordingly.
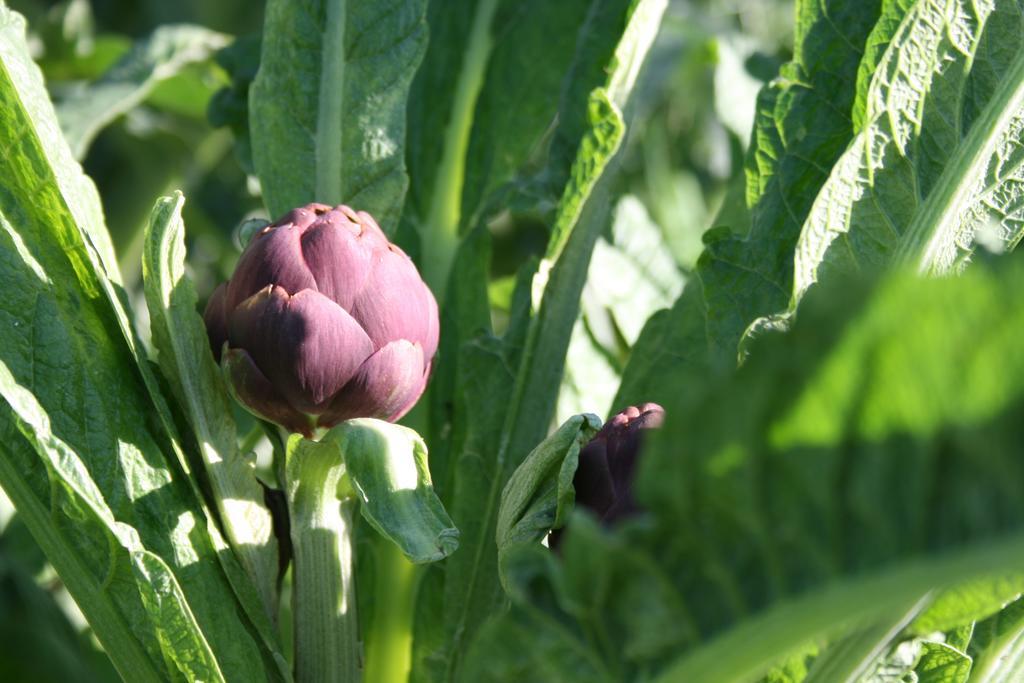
(326, 626)
(389, 641)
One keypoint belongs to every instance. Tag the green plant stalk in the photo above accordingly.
(441, 232)
(326, 625)
(389, 638)
(330, 174)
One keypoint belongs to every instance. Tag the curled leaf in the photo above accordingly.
(386, 465)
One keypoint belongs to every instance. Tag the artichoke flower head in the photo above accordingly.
(324, 320)
(607, 468)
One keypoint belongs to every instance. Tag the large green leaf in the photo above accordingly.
(854, 464)
(164, 612)
(969, 602)
(69, 353)
(936, 161)
(327, 108)
(802, 126)
(78, 190)
(86, 111)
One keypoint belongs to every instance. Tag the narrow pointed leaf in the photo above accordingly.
(539, 495)
(465, 143)
(185, 359)
(180, 638)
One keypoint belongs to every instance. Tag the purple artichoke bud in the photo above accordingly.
(607, 465)
(324, 320)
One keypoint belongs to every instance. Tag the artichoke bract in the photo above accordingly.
(607, 465)
(324, 320)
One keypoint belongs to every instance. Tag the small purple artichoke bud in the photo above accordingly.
(607, 465)
(324, 320)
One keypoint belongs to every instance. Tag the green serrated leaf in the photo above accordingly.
(327, 107)
(892, 15)
(802, 125)
(940, 663)
(920, 660)
(801, 128)
(934, 166)
(185, 359)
